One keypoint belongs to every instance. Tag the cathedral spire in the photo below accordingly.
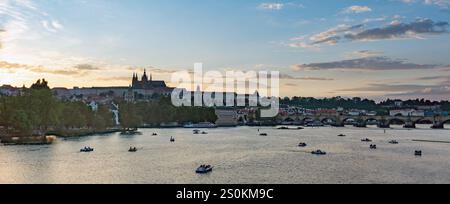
(144, 77)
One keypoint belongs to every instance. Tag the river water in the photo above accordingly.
(239, 155)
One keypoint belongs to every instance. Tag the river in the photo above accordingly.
(239, 155)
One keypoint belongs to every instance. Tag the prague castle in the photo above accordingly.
(142, 89)
(146, 82)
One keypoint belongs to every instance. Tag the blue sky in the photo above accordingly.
(373, 48)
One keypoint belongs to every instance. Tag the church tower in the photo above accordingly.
(144, 77)
(135, 80)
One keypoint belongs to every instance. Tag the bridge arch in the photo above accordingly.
(289, 119)
(423, 121)
(396, 121)
(328, 120)
(446, 121)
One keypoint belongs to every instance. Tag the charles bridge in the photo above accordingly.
(363, 120)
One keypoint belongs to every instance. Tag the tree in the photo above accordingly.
(40, 84)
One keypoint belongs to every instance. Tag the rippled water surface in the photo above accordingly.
(239, 155)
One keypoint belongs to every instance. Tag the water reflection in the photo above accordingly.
(239, 155)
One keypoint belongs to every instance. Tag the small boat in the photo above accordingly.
(366, 140)
(87, 149)
(155, 134)
(393, 142)
(302, 144)
(318, 152)
(263, 134)
(204, 133)
(341, 135)
(418, 153)
(372, 146)
(300, 128)
(203, 169)
(132, 149)
(130, 131)
(201, 125)
(283, 128)
(172, 139)
(196, 132)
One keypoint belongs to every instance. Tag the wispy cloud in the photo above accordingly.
(289, 77)
(367, 64)
(271, 6)
(12, 67)
(439, 3)
(407, 91)
(419, 28)
(364, 54)
(357, 9)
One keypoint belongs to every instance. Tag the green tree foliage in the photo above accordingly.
(162, 111)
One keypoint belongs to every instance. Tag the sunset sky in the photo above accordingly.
(323, 48)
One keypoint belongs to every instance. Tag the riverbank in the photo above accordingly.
(33, 140)
(82, 132)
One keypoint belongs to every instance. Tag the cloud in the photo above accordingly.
(40, 69)
(439, 91)
(357, 9)
(52, 26)
(271, 6)
(86, 67)
(10, 66)
(367, 64)
(289, 77)
(400, 30)
(364, 54)
(69, 72)
(359, 32)
(439, 3)
(127, 79)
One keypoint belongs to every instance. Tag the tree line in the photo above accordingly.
(359, 103)
(37, 111)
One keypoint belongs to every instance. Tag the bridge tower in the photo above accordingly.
(383, 123)
(361, 123)
(410, 124)
(437, 123)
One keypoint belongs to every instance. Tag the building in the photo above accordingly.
(9, 90)
(226, 117)
(407, 113)
(146, 82)
(143, 89)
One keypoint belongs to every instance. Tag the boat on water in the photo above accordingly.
(196, 132)
(393, 142)
(263, 134)
(341, 135)
(132, 149)
(130, 131)
(318, 152)
(87, 149)
(283, 128)
(418, 153)
(172, 139)
(302, 144)
(366, 140)
(372, 146)
(204, 133)
(201, 125)
(155, 134)
(204, 169)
